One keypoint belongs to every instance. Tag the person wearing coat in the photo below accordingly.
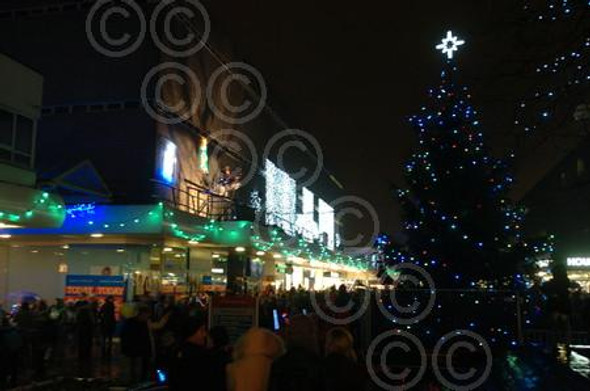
(341, 371)
(300, 368)
(254, 354)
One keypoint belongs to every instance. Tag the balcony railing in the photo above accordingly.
(197, 200)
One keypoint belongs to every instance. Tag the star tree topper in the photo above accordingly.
(450, 44)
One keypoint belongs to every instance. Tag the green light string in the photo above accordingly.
(211, 227)
(302, 247)
(42, 203)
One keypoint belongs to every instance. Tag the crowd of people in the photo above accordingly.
(165, 340)
(168, 341)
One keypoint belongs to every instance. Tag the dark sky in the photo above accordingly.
(351, 72)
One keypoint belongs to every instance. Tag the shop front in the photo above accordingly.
(578, 271)
(153, 249)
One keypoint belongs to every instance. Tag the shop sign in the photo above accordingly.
(578, 262)
(95, 288)
(236, 313)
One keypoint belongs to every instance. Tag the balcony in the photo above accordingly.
(199, 201)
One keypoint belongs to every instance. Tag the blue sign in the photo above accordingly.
(86, 280)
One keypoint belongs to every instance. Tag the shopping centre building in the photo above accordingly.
(122, 187)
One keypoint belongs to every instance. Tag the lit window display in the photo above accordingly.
(305, 222)
(326, 213)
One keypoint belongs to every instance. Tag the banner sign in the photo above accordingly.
(96, 288)
(236, 313)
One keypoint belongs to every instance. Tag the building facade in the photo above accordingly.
(172, 203)
(560, 205)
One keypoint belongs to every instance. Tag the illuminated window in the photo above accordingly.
(204, 156)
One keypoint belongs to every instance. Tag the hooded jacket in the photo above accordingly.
(253, 356)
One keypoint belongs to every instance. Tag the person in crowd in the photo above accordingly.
(41, 339)
(194, 367)
(108, 323)
(24, 316)
(11, 346)
(137, 342)
(85, 323)
(300, 367)
(341, 372)
(169, 336)
(220, 356)
(254, 354)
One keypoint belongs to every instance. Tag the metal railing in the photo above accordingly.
(196, 200)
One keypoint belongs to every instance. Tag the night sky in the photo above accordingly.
(351, 73)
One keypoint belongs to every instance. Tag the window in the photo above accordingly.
(24, 135)
(17, 137)
(299, 201)
(6, 128)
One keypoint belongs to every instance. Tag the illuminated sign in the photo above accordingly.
(168, 162)
(204, 156)
(578, 262)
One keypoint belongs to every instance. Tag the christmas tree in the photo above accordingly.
(557, 67)
(459, 223)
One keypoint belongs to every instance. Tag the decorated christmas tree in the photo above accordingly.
(557, 67)
(459, 224)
